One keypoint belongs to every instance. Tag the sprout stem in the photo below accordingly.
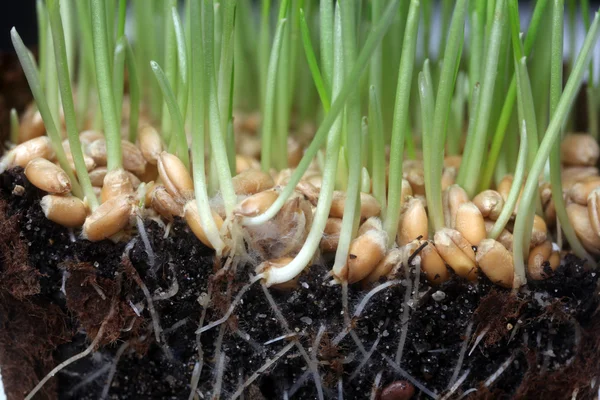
(178, 141)
(311, 59)
(556, 79)
(551, 136)
(400, 122)
(198, 136)
(372, 41)
(434, 157)
(134, 90)
(468, 176)
(112, 130)
(14, 126)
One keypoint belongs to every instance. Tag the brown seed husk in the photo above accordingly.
(572, 175)
(452, 198)
(454, 255)
(89, 162)
(579, 149)
(37, 147)
(580, 191)
(433, 265)
(412, 171)
(539, 257)
(490, 203)
(47, 176)
(192, 217)
(243, 163)
(391, 260)
(331, 235)
(580, 219)
(31, 124)
(68, 211)
(164, 204)
(365, 253)
(505, 238)
(369, 206)
(413, 222)
(373, 223)
(256, 204)
(133, 160)
(89, 136)
(470, 223)
(539, 231)
(496, 262)
(150, 143)
(116, 183)
(252, 181)
(593, 206)
(295, 152)
(108, 219)
(175, 177)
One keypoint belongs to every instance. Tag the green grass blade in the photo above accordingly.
(112, 129)
(400, 122)
(178, 142)
(311, 59)
(134, 91)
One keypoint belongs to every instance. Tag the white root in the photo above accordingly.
(219, 377)
(461, 357)
(313, 367)
(195, 379)
(340, 387)
(405, 315)
(456, 385)
(412, 380)
(361, 306)
(235, 302)
(478, 339)
(376, 385)
(89, 379)
(489, 381)
(171, 291)
(113, 370)
(144, 235)
(299, 383)
(76, 357)
(368, 356)
(280, 338)
(262, 369)
(175, 326)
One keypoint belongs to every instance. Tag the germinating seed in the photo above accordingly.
(251, 181)
(67, 211)
(257, 203)
(116, 183)
(331, 235)
(108, 219)
(580, 190)
(454, 255)
(369, 206)
(48, 177)
(150, 143)
(413, 222)
(392, 258)
(164, 204)
(175, 177)
(433, 265)
(38, 147)
(579, 149)
(496, 262)
(579, 217)
(31, 124)
(192, 217)
(490, 204)
(365, 253)
(452, 199)
(470, 223)
(541, 257)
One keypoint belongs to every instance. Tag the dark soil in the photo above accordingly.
(56, 291)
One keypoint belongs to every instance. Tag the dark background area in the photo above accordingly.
(20, 14)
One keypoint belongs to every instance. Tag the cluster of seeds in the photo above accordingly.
(156, 184)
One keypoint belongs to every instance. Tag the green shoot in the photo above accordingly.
(33, 78)
(14, 126)
(374, 38)
(121, 18)
(269, 105)
(326, 40)
(279, 275)
(551, 136)
(112, 129)
(377, 140)
(182, 64)
(119, 77)
(282, 90)
(216, 134)
(400, 123)
(353, 135)
(178, 141)
(264, 50)
(556, 79)
(170, 62)
(311, 59)
(434, 156)
(198, 136)
(468, 176)
(134, 90)
(64, 84)
(509, 102)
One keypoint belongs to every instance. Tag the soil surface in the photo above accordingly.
(475, 340)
